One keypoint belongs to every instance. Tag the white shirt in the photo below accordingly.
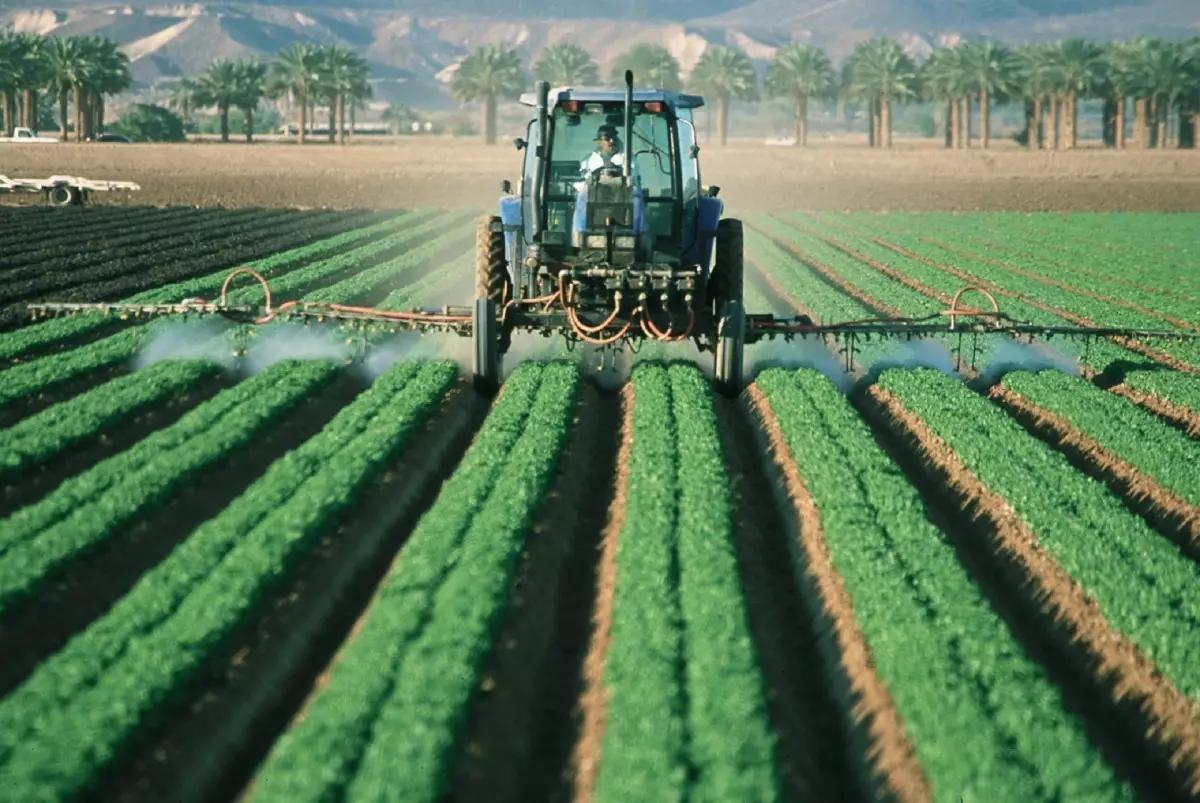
(596, 160)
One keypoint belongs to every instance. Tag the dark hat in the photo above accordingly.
(609, 131)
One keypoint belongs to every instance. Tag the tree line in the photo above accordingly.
(85, 70)
(1158, 80)
(1153, 80)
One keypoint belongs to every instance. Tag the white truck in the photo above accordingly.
(22, 134)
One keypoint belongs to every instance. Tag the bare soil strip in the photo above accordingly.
(525, 718)
(32, 483)
(1183, 418)
(206, 744)
(593, 701)
(812, 746)
(881, 748)
(1163, 508)
(1116, 302)
(82, 590)
(1147, 729)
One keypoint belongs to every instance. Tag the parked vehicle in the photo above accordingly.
(22, 134)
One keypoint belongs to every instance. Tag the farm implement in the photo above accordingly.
(64, 190)
(611, 240)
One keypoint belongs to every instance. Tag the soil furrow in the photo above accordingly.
(33, 482)
(526, 717)
(83, 589)
(207, 742)
(1171, 515)
(811, 748)
(593, 700)
(880, 749)
(1148, 731)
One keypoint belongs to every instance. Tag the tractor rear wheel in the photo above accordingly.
(725, 282)
(485, 334)
(731, 341)
(491, 268)
(64, 195)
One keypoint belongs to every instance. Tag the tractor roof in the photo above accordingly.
(559, 94)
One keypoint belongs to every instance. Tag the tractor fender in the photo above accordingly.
(510, 216)
(708, 214)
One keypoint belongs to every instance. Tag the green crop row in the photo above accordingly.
(1099, 311)
(1100, 270)
(58, 427)
(686, 717)
(33, 377)
(81, 707)
(1162, 453)
(986, 722)
(1136, 371)
(386, 725)
(87, 508)
(13, 344)
(1145, 587)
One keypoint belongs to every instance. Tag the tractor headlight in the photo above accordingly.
(625, 242)
(596, 241)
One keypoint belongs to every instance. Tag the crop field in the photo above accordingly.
(279, 563)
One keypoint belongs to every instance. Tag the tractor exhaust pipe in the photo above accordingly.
(539, 165)
(627, 156)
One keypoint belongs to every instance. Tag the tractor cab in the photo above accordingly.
(632, 200)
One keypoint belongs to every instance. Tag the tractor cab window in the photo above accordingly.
(589, 135)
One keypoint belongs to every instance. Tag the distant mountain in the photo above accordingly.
(410, 44)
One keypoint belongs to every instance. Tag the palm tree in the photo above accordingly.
(11, 56)
(182, 96)
(566, 64)
(250, 81)
(882, 73)
(342, 73)
(32, 74)
(944, 79)
(397, 114)
(359, 92)
(220, 86)
(1080, 64)
(652, 65)
(726, 74)
(67, 68)
(1163, 77)
(1189, 123)
(800, 73)
(108, 74)
(488, 74)
(296, 74)
(988, 68)
(1032, 79)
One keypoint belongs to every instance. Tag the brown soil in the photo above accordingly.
(1163, 508)
(811, 748)
(880, 741)
(462, 173)
(1149, 713)
(526, 717)
(586, 757)
(1183, 418)
(251, 687)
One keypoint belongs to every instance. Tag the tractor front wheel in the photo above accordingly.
(725, 281)
(731, 341)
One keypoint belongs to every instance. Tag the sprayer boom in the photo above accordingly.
(547, 318)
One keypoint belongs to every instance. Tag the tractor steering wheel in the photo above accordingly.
(608, 170)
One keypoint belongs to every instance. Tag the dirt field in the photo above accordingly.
(459, 173)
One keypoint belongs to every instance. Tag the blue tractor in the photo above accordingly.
(609, 235)
(610, 238)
